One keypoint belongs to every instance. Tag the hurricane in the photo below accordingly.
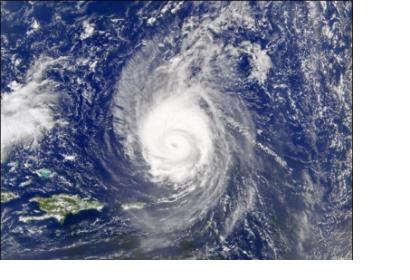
(183, 132)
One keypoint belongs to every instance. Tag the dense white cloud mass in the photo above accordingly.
(26, 112)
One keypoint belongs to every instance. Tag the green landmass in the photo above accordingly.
(133, 206)
(60, 205)
(7, 196)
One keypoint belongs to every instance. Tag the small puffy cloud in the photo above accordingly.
(260, 61)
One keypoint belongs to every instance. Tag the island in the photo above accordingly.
(58, 206)
(133, 206)
(7, 196)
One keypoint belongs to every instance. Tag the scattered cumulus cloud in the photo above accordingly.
(88, 30)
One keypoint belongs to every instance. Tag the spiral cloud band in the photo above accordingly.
(185, 132)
